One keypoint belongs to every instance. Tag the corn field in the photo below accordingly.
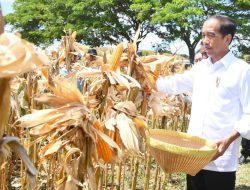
(54, 135)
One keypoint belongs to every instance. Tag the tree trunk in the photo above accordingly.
(1, 21)
(191, 51)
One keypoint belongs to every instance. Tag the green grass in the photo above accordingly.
(243, 176)
(178, 181)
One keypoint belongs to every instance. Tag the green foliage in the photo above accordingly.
(183, 19)
(147, 52)
(244, 4)
(246, 57)
(96, 22)
(100, 22)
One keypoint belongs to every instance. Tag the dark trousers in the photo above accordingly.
(245, 151)
(211, 180)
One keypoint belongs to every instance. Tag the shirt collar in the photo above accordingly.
(226, 60)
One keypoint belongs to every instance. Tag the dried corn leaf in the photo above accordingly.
(70, 153)
(112, 81)
(133, 82)
(52, 100)
(39, 117)
(18, 56)
(131, 51)
(120, 80)
(110, 124)
(127, 107)
(160, 60)
(96, 85)
(128, 133)
(79, 48)
(42, 129)
(53, 147)
(62, 87)
(89, 72)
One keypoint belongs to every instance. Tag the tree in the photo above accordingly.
(96, 22)
(244, 37)
(182, 19)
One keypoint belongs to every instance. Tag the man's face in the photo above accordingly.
(215, 43)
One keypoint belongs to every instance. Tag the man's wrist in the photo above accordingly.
(233, 136)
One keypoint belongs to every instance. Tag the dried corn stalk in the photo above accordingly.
(7, 143)
(4, 104)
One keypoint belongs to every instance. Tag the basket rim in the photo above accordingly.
(154, 143)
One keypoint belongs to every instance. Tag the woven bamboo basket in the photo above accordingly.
(179, 152)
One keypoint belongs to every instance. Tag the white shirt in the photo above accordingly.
(220, 103)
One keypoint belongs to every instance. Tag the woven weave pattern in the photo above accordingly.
(179, 152)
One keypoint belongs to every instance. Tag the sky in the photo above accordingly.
(147, 43)
(6, 6)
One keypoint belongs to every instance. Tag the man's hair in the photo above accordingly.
(227, 25)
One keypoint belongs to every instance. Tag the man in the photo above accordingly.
(220, 87)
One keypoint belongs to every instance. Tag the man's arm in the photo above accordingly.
(178, 83)
(223, 144)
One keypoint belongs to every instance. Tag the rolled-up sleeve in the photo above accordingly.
(243, 124)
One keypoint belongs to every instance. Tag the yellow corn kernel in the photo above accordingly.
(116, 57)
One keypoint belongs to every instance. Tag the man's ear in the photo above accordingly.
(228, 38)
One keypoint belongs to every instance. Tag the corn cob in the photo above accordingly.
(45, 73)
(103, 149)
(115, 135)
(116, 57)
(139, 123)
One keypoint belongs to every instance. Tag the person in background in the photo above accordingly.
(220, 113)
(201, 54)
(245, 151)
(93, 53)
(90, 57)
(139, 53)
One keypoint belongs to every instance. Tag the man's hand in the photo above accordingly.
(222, 145)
